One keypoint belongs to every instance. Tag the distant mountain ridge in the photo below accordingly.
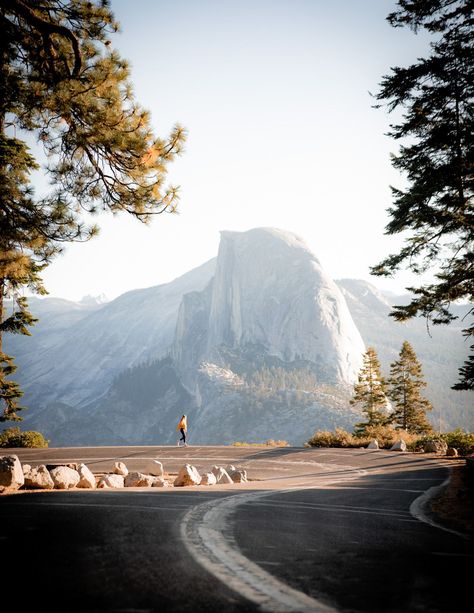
(257, 343)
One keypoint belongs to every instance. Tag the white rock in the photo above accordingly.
(39, 478)
(399, 446)
(230, 468)
(26, 468)
(238, 475)
(208, 479)
(110, 480)
(120, 469)
(160, 482)
(64, 477)
(136, 479)
(222, 476)
(374, 444)
(87, 479)
(11, 473)
(153, 467)
(188, 475)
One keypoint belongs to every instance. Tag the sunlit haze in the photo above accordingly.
(282, 133)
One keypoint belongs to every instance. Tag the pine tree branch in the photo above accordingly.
(47, 28)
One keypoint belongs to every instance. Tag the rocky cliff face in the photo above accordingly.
(270, 291)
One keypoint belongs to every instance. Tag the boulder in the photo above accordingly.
(399, 445)
(87, 479)
(222, 476)
(153, 467)
(160, 482)
(25, 468)
(120, 469)
(39, 478)
(230, 468)
(238, 475)
(136, 479)
(64, 477)
(374, 444)
(452, 452)
(111, 480)
(11, 473)
(435, 446)
(208, 479)
(188, 475)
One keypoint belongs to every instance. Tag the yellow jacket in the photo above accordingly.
(183, 423)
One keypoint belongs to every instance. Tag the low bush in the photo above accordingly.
(387, 436)
(272, 443)
(14, 437)
(460, 440)
(338, 438)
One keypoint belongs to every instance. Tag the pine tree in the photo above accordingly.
(10, 391)
(369, 392)
(405, 383)
(62, 83)
(466, 372)
(435, 210)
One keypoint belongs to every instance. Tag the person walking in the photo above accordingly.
(183, 428)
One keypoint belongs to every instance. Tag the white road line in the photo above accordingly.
(206, 532)
(418, 508)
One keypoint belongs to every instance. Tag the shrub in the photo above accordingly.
(462, 441)
(13, 437)
(338, 438)
(272, 443)
(386, 436)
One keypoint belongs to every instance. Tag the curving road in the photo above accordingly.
(314, 530)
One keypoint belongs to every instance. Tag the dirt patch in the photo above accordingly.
(454, 505)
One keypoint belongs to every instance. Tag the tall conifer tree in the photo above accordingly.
(369, 392)
(435, 210)
(62, 81)
(466, 373)
(10, 391)
(405, 383)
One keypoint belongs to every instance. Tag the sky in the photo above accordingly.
(275, 96)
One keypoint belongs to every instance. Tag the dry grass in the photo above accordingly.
(269, 443)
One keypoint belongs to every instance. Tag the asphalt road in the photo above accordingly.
(314, 530)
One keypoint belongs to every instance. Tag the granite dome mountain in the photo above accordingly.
(258, 343)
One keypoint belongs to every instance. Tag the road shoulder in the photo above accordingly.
(453, 506)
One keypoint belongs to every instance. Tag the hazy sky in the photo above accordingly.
(275, 96)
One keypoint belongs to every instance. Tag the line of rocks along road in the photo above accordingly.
(223, 467)
(281, 540)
